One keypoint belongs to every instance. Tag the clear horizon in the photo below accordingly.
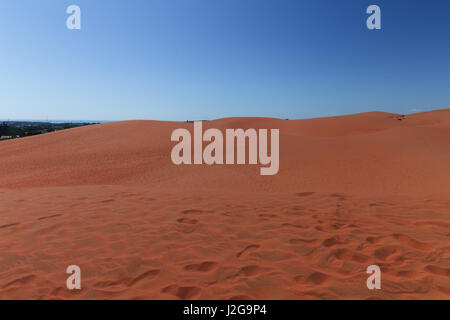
(184, 60)
(306, 118)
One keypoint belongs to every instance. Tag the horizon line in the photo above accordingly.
(413, 111)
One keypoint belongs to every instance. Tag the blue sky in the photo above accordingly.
(206, 59)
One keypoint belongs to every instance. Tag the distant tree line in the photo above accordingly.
(17, 129)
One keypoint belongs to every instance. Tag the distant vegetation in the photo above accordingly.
(19, 129)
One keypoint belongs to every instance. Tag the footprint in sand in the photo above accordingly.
(413, 243)
(316, 278)
(192, 211)
(347, 255)
(268, 215)
(20, 281)
(304, 194)
(149, 275)
(335, 241)
(438, 270)
(301, 241)
(385, 252)
(182, 292)
(419, 286)
(206, 266)
(341, 197)
(298, 226)
(409, 274)
(374, 240)
(329, 227)
(110, 283)
(249, 271)
(248, 248)
(187, 221)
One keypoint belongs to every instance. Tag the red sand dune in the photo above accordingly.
(351, 191)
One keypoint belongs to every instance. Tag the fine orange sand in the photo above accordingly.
(352, 191)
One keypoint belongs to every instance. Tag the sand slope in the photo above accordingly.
(370, 153)
(351, 191)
